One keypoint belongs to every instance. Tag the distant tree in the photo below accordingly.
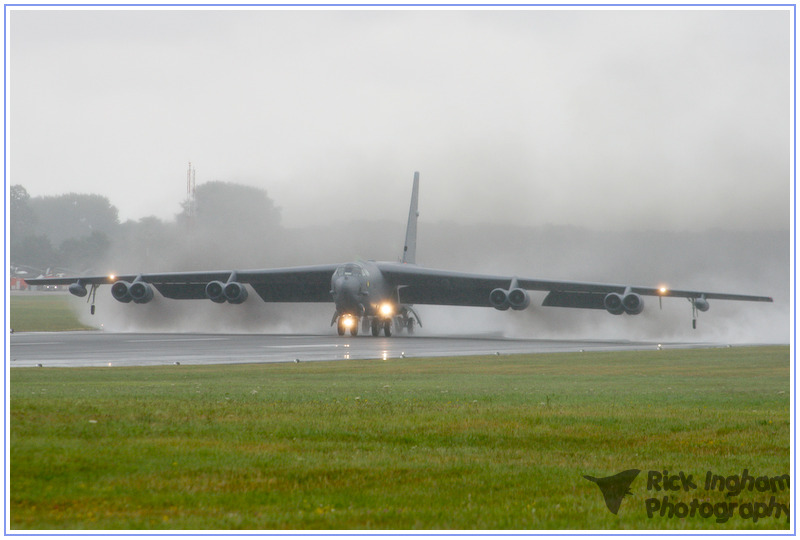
(229, 205)
(80, 225)
(22, 220)
(26, 248)
(73, 215)
(228, 225)
(83, 253)
(148, 243)
(33, 250)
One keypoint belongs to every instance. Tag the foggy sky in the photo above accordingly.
(615, 119)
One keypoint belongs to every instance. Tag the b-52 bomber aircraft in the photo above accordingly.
(379, 296)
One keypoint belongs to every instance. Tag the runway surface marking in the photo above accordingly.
(41, 343)
(170, 340)
(300, 346)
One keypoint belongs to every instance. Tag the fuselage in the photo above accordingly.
(359, 289)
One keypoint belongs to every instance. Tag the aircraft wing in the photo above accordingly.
(294, 284)
(428, 286)
(416, 285)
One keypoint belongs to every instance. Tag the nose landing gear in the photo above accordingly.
(345, 323)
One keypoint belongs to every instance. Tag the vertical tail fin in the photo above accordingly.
(410, 249)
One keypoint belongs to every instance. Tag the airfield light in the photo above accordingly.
(386, 309)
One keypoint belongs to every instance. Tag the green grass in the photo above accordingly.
(452, 443)
(43, 313)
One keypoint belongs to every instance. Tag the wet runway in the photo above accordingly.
(81, 349)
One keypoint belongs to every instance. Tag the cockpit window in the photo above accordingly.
(349, 270)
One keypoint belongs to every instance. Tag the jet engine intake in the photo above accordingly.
(141, 292)
(498, 299)
(120, 290)
(235, 292)
(215, 291)
(519, 299)
(632, 303)
(78, 289)
(613, 303)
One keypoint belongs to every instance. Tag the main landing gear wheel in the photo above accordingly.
(410, 326)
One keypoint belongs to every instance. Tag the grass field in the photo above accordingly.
(48, 312)
(449, 443)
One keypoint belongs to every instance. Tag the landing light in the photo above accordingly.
(662, 290)
(348, 322)
(386, 309)
(111, 277)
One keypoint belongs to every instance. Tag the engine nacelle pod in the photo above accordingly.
(498, 299)
(519, 299)
(701, 304)
(613, 303)
(632, 303)
(215, 291)
(140, 292)
(235, 292)
(78, 289)
(120, 291)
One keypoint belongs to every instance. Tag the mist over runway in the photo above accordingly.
(99, 349)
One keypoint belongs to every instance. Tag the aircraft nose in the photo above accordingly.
(346, 292)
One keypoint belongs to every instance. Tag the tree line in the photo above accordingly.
(82, 233)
